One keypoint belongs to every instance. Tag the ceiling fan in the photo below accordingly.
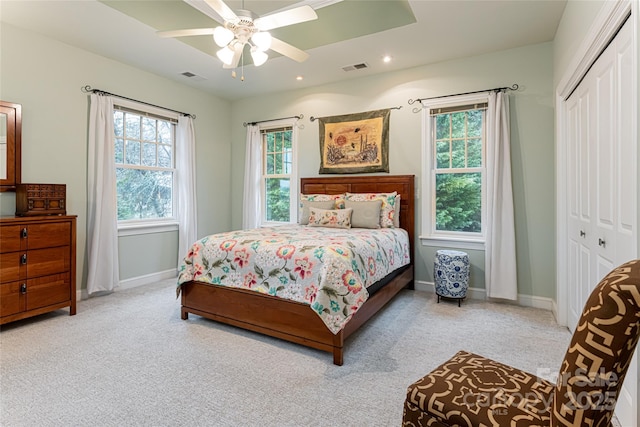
(243, 27)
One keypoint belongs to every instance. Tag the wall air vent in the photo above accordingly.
(192, 77)
(354, 67)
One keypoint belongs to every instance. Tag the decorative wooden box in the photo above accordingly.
(41, 199)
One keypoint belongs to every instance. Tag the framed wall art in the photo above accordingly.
(355, 143)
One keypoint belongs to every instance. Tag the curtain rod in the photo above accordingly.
(313, 119)
(245, 124)
(497, 89)
(88, 89)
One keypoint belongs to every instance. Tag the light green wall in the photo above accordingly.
(532, 142)
(45, 76)
(576, 21)
(147, 262)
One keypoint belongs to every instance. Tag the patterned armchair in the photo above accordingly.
(470, 390)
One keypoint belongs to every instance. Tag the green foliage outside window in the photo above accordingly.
(278, 168)
(458, 202)
(458, 156)
(278, 201)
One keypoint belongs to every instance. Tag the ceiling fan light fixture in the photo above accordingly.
(222, 36)
(262, 39)
(225, 55)
(259, 57)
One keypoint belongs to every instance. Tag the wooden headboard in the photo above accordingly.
(403, 184)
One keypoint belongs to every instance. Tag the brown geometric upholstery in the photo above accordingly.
(470, 390)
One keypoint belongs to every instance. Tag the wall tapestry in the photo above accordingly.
(355, 143)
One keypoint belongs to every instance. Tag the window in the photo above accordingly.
(455, 179)
(279, 182)
(145, 166)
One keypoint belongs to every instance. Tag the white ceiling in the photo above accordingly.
(445, 29)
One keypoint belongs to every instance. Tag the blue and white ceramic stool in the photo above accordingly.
(451, 274)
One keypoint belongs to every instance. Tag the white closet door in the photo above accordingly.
(604, 183)
(602, 186)
(627, 189)
(579, 139)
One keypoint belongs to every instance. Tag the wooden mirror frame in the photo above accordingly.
(14, 145)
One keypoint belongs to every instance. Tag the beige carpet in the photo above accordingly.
(127, 359)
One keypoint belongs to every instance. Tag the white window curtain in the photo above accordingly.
(252, 176)
(186, 186)
(102, 225)
(500, 248)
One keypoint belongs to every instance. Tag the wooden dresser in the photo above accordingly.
(37, 265)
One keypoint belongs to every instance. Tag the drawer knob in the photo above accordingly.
(23, 288)
(24, 233)
(23, 259)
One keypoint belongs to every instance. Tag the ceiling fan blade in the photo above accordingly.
(185, 33)
(289, 51)
(218, 6)
(236, 58)
(287, 17)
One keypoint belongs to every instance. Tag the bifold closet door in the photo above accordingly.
(602, 171)
(602, 183)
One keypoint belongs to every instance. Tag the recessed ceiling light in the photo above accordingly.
(299, 77)
(386, 58)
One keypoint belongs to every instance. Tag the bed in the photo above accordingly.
(296, 321)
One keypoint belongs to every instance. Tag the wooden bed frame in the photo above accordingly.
(294, 321)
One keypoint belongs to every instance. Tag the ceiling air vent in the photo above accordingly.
(354, 67)
(191, 76)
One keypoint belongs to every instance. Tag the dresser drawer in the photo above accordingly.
(48, 235)
(42, 262)
(48, 290)
(11, 238)
(37, 265)
(12, 300)
(12, 267)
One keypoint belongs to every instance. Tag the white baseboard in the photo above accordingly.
(136, 281)
(554, 310)
(481, 294)
(147, 278)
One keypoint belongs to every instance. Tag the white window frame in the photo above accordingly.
(429, 235)
(161, 225)
(293, 177)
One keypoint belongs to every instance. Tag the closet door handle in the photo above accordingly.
(23, 288)
(602, 243)
(24, 233)
(23, 259)
(582, 233)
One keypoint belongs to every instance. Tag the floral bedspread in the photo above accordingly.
(327, 268)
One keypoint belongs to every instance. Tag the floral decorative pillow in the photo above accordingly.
(387, 210)
(338, 199)
(334, 218)
(306, 204)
